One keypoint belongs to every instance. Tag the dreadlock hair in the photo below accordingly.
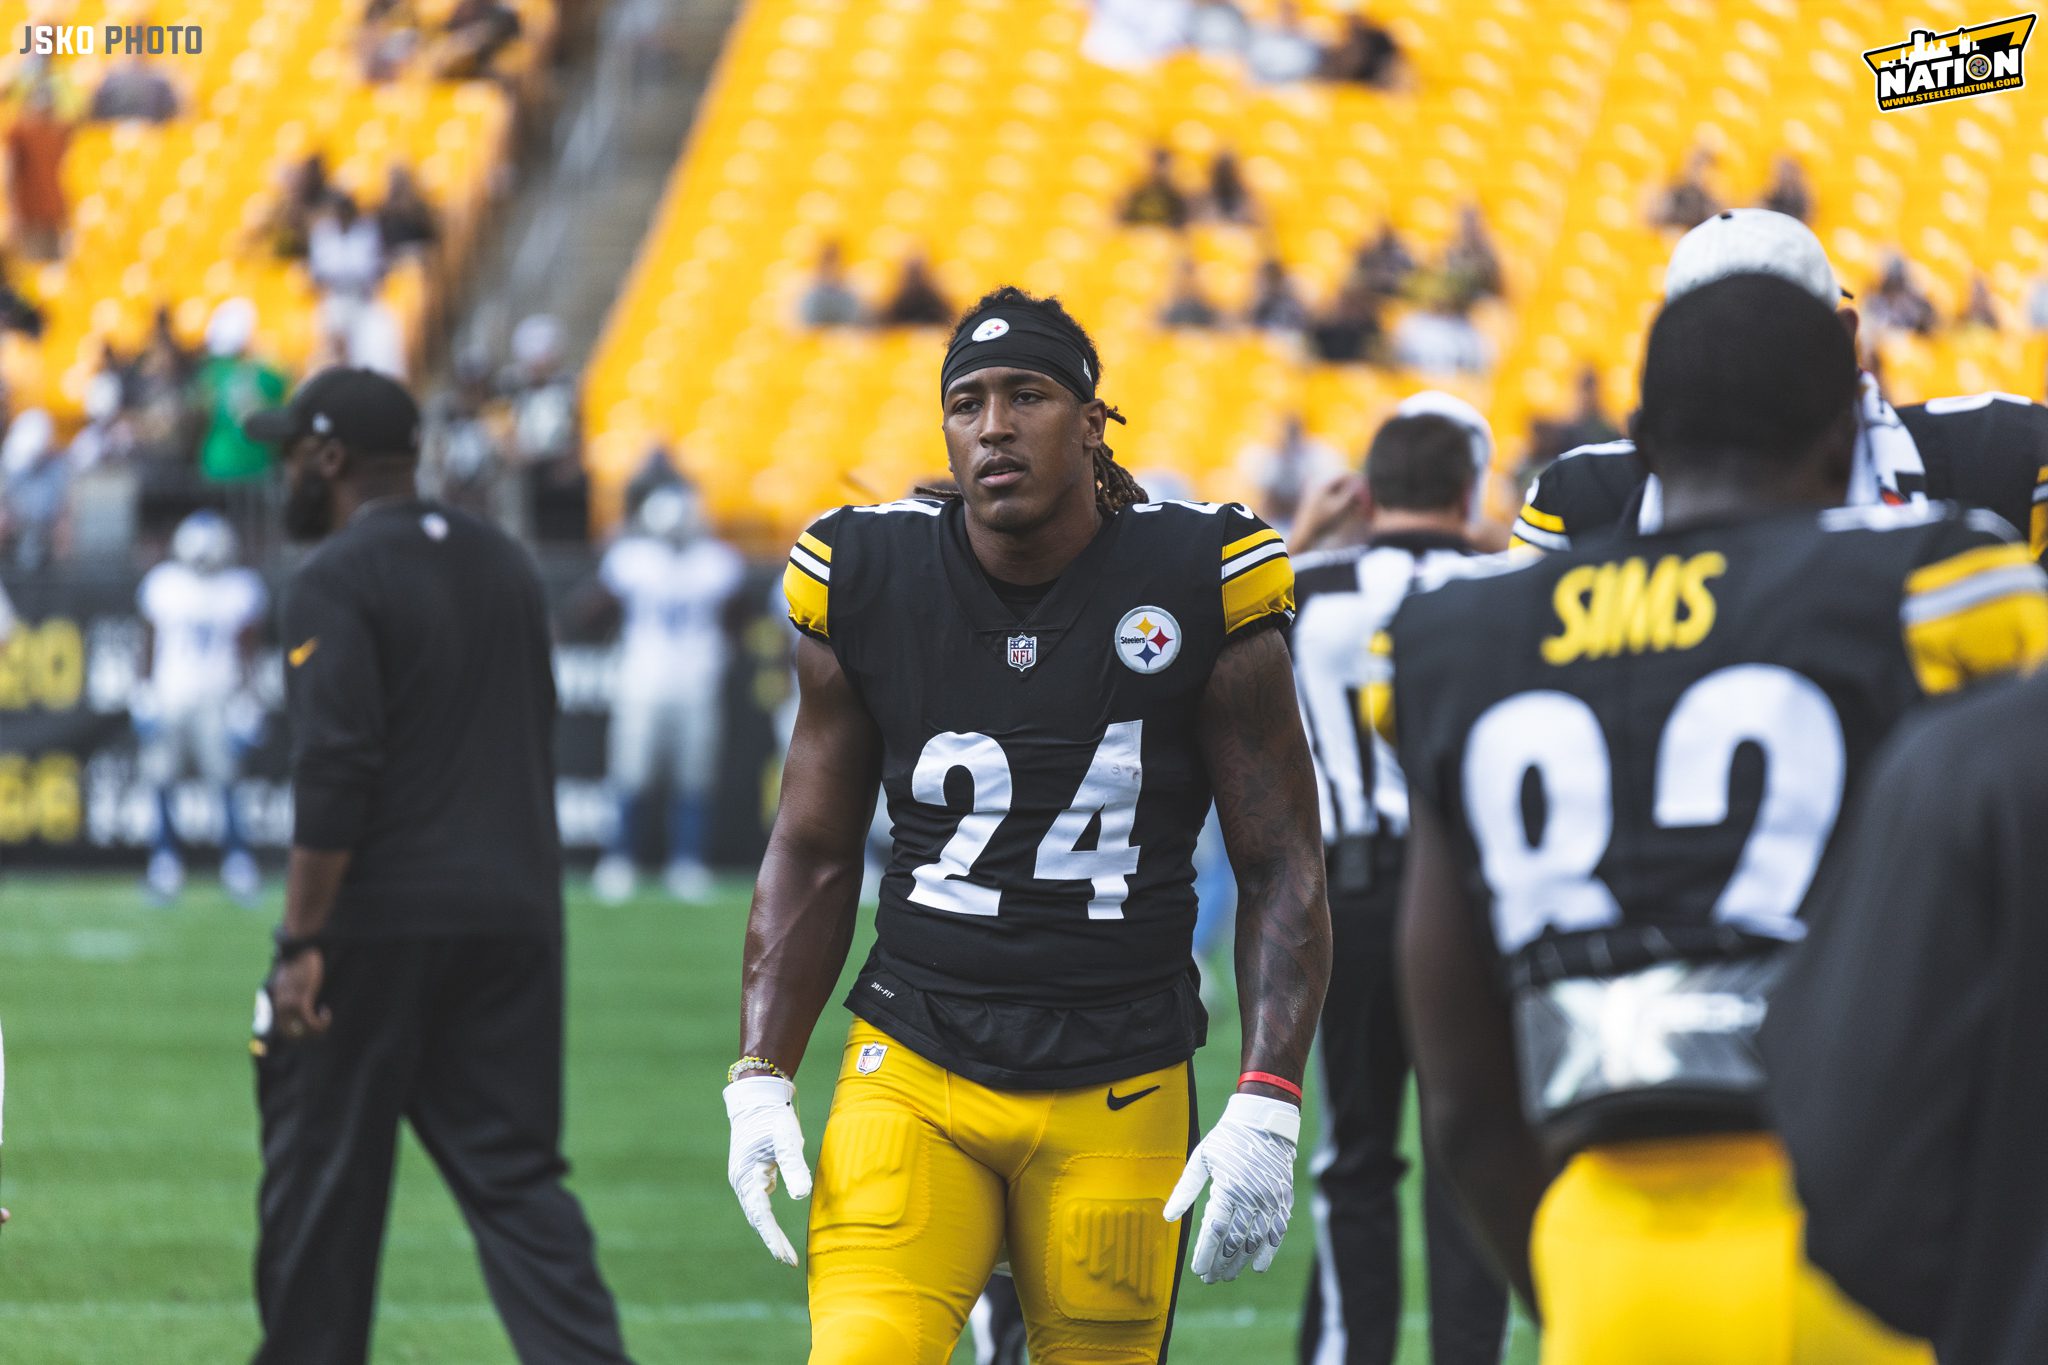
(1115, 489)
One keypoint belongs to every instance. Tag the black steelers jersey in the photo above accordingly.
(1043, 780)
(1987, 450)
(1641, 754)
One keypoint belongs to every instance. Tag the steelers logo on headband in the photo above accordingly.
(1020, 339)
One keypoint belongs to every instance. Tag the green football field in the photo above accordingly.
(130, 1160)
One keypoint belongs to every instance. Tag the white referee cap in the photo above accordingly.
(1752, 241)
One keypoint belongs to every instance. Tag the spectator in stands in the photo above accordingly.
(232, 383)
(1156, 201)
(658, 469)
(1189, 307)
(1385, 265)
(1980, 312)
(464, 449)
(362, 332)
(1349, 331)
(36, 147)
(1687, 202)
(476, 34)
(17, 312)
(33, 479)
(1588, 425)
(1789, 193)
(1471, 264)
(405, 220)
(153, 391)
(1133, 34)
(547, 441)
(389, 39)
(1280, 473)
(2037, 303)
(1218, 27)
(1229, 199)
(1276, 305)
(108, 436)
(135, 90)
(917, 301)
(1283, 51)
(1898, 305)
(344, 250)
(302, 189)
(1438, 337)
(829, 301)
(1366, 54)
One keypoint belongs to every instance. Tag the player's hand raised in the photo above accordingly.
(1249, 1155)
(766, 1138)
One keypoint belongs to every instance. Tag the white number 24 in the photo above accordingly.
(1108, 790)
(1550, 883)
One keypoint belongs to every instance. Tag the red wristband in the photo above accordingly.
(1268, 1078)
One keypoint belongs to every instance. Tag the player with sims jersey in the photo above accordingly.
(1987, 450)
(1049, 678)
(191, 707)
(673, 581)
(1625, 764)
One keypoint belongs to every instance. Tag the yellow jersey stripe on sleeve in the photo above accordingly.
(1264, 535)
(1376, 698)
(815, 546)
(1265, 589)
(1542, 520)
(808, 598)
(1945, 573)
(2037, 524)
(1995, 621)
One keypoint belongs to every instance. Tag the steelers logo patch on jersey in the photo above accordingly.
(1147, 639)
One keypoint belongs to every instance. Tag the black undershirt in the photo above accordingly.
(1020, 598)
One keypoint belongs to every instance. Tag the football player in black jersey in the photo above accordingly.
(1624, 770)
(1987, 450)
(1049, 677)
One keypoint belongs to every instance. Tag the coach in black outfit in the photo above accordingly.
(419, 967)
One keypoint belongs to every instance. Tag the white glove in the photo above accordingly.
(1250, 1156)
(765, 1137)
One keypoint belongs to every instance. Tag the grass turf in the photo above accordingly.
(131, 1166)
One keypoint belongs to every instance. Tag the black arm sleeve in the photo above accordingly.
(334, 693)
(1875, 1040)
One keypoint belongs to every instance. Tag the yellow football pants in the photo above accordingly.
(924, 1177)
(1688, 1251)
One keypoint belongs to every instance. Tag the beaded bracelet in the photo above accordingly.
(732, 1073)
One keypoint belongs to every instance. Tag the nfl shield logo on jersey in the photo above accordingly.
(870, 1059)
(1023, 651)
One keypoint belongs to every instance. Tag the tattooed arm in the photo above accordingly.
(808, 894)
(1257, 757)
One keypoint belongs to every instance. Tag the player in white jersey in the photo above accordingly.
(1412, 514)
(673, 581)
(191, 709)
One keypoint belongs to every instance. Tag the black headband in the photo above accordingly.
(1019, 339)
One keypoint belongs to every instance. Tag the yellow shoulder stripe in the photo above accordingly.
(2007, 634)
(808, 599)
(1376, 698)
(1256, 538)
(1264, 590)
(1542, 520)
(815, 546)
(1947, 572)
(2037, 529)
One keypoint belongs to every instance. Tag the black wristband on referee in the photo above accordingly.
(289, 947)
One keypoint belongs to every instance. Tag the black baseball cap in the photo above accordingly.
(368, 412)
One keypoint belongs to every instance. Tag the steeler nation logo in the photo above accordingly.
(1147, 639)
(1023, 651)
(1930, 67)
